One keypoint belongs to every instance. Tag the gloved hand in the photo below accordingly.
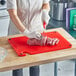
(34, 34)
(45, 16)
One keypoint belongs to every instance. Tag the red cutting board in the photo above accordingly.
(21, 47)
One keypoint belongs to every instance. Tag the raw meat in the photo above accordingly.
(43, 41)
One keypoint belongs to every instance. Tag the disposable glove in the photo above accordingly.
(45, 16)
(33, 34)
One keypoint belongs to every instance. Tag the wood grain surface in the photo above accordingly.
(12, 61)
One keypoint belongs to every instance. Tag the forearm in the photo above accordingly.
(15, 19)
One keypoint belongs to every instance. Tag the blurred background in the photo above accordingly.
(58, 19)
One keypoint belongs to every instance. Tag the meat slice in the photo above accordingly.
(43, 41)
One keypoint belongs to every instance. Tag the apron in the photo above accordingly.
(29, 12)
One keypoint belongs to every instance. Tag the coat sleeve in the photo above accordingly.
(46, 1)
(11, 4)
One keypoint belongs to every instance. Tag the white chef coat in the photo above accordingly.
(29, 12)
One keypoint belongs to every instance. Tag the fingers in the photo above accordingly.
(38, 35)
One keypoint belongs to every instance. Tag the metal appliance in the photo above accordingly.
(58, 8)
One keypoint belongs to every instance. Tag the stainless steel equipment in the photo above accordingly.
(58, 8)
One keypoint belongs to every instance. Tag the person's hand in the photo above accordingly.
(45, 16)
(33, 34)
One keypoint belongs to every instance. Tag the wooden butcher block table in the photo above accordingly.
(13, 61)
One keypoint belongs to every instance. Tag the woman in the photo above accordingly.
(27, 17)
